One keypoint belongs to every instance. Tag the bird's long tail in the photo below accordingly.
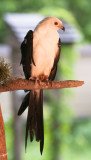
(35, 118)
(24, 105)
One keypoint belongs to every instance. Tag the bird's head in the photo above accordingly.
(56, 23)
(51, 23)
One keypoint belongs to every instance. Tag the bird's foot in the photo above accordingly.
(45, 78)
(32, 78)
(40, 79)
(35, 79)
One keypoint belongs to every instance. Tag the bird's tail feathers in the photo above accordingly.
(35, 118)
(24, 105)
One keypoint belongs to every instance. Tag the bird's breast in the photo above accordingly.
(44, 52)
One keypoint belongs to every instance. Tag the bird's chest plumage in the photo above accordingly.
(44, 52)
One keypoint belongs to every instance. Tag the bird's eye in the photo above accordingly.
(56, 23)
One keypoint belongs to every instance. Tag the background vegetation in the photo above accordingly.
(65, 137)
(81, 10)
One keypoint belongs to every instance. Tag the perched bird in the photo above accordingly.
(40, 54)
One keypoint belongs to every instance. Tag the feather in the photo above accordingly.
(35, 118)
(27, 53)
(24, 105)
(54, 69)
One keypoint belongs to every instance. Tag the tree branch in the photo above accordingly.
(3, 150)
(23, 84)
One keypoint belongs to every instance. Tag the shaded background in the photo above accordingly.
(67, 112)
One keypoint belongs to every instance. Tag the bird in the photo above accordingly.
(40, 52)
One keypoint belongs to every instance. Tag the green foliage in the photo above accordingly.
(78, 142)
(68, 9)
(75, 138)
(59, 13)
(9, 138)
(67, 60)
(82, 12)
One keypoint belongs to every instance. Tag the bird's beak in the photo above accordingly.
(63, 28)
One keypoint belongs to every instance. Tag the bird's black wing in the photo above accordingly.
(26, 60)
(27, 53)
(54, 69)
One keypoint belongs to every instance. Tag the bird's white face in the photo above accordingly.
(53, 23)
(57, 24)
(50, 23)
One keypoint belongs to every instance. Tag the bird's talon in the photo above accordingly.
(50, 82)
(32, 79)
(42, 77)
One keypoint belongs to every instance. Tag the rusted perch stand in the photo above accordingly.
(3, 150)
(23, 84)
